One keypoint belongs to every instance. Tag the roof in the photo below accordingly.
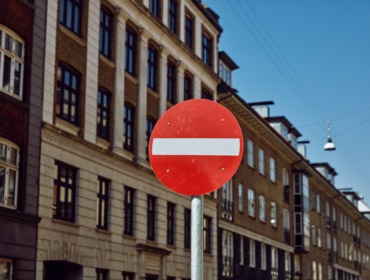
(227, 60)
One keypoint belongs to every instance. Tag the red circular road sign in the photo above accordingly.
(196, 147)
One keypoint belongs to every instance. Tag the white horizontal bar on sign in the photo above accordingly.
(196, 146)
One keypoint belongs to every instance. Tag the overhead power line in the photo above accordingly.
(265, 40)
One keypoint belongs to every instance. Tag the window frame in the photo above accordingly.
(75, 17)
(152, 65)
(11, 164)
(130, 51)
(73, 93)
(16, 57)
(188, 87)
(128, 127)
(171, 223)
(241, 197)
(102, 274)
(250, 153)
(151, 217)
(9, 263)
(207, 44)
(272, 170)
(172, 16)
(58, 183)
(171, 82)
(128, 275)
(261, 161)
(128, 211)
(155, 8)
(150, 123)
(189, 31)
(263, 256)
(251, 203)
(187, 228)
(103, 113)
(106, 33)
(102, 207)
(262, 208)
(207, 227)
(207, 94)
(252, 253)
(273, 214)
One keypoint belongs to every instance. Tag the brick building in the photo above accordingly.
(21, 81)
(112, 68)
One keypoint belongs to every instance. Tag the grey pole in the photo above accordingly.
(196, 237)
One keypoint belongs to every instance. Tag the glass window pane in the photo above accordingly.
(3, 152)
(8, 42)
(11, 187)
(6, 73)
(13, 156)
(18, 49)
(2, 184)
(17, 78)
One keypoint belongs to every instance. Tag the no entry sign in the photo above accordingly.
(196, 147)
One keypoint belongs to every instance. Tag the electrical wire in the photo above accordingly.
(290, 75)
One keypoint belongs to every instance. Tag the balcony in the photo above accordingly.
(227, 266)
(227, 209)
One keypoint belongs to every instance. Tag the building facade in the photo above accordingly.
(21, 82)
(112, 68)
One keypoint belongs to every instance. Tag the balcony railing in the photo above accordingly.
(227, 266)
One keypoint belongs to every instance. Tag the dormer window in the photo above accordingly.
(225, 73)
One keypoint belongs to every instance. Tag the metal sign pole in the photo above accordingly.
(196, 237)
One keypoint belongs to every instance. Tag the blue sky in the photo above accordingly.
(312, 58)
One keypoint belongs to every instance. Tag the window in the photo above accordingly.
(189, 31)
(288, 263)
(70, 15)
(227, 253)
(206, 94)
(313, 235)
(103, 114)
(128, 211)
(314, 272)
(250, 153)
(207, 234)
(152, 68)
(263, 257)
(274, 259)
(130, 51)
(102, 203)
(241, 248)
(319, 238)
(11, 63)
(286, 186)
(128, 276)
(67, 95)
(105, 33)
(102, 274)
(240, 197)
(251, 203)
(206, 50)
(64, 192)
(6, 269)
(150, 123)
(151, 217)
(170, 223)
(188, 87)
(154, 7)
(273, 214)
(252, 253)
(9, 169)
(128, 127)
(319, 271)
(262, 208)
(318, 204)
(286, 221)
(187, 228)
(261, 161)
(171, 82)
(328, 241)
(172, 16)
(227, 200)
(272, 170)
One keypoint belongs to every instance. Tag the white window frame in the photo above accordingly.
(319, 238)
(241, 248)
(262, 208)
(273, 214)
(251, 203)
(272, 170)
(263, 257)
(250, 153)
(14, 59)
(288, 263)
(286, 219)
(252, 253)
(261, 161)
(274, 258)
(313, 235)
(314, 271)
(7, 149)
(240, 197)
